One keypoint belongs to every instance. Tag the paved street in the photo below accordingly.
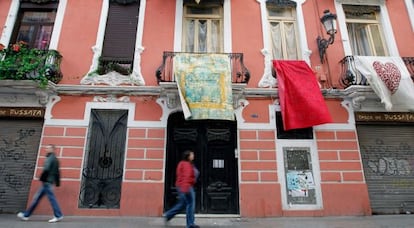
(389, 221)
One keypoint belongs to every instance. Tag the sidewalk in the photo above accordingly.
(388, 221)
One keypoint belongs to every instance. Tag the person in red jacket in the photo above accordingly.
(186, 174)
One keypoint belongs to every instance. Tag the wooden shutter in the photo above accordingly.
(120, 32)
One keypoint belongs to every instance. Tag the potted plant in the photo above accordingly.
(19, 62)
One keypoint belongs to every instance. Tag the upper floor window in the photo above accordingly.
(120, 37)
(202, 28)
(364, 30)
(283, 35)
(34, 24)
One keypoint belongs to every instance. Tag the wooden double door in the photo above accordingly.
(214, 144)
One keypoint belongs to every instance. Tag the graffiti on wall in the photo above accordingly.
(388, 160)
(13, 153)
(390, 166)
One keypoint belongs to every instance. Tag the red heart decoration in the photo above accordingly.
(389, 74)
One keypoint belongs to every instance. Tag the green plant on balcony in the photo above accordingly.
(19, 62)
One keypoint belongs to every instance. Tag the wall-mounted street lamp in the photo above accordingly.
(329, 23)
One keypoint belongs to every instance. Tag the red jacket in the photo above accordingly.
(185, 176)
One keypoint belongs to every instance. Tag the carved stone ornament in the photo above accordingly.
(267, 80)
(357, 102)
(112, 98)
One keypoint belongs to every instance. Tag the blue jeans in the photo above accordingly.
(187, 200)
(47, 189)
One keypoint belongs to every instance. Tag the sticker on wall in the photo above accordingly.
(299, 182)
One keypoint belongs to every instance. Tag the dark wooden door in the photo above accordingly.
(214, 143)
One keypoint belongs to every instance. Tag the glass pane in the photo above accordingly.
(358, 36)
(202, 35)
(26, 33)
(377, 39)
(189, 39)
(280, 12)
(38, 17)
(43, 37)
(36, 29)
(203, 10)
(290, 39)
(276, 35)
(215, 34)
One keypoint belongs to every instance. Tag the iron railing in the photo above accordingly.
(239, 72)
(351, 76)
(28, 64)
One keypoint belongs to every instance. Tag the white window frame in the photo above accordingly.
(12, 17)
(384, 20)
(267, 79)
(311, 144)
(209, 19)
(410, 9)
(136, 76)
(282, 21)
(226, 32)
(367, 22)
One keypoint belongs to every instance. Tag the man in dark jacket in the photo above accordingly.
(50, 176)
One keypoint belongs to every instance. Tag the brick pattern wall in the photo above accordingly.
(145, 155)
(339, 157)
(70, 143)
(257, 154)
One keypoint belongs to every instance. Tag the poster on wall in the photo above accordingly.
(299, 183)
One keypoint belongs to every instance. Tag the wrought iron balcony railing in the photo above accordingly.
(351, 76)
(22, 63)
(239, 72)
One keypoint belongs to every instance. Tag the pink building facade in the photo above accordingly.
(116, 118)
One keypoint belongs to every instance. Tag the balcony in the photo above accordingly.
(239, 73)
(19, 62)
(351, 76)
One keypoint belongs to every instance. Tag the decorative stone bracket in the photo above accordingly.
(24, 93)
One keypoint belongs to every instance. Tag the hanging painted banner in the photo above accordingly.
(204, 85)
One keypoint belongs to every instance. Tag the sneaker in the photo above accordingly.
(55, 219)
(195, 226)
(22, 217)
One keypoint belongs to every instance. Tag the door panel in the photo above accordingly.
(213, 143)
(103, 169)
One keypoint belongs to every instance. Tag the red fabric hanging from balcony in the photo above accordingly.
(301, 101)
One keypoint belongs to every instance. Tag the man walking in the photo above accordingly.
(50, 176)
